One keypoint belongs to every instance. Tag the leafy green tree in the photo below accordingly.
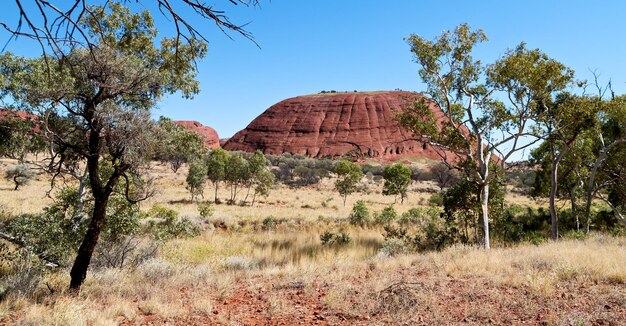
(444, 175)
(265, 181)
(196, 178)
(607, 173)
(216, 168)
(236, 175)
(107, 92)
(257, 163)
(349, 174)
(562, 122)
(397, 180)
(57, 233)
(20, 135)
(178, 144)
(476, 125)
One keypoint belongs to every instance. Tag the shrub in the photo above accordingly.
(397, 241)
(164, 224)
(418, 216)
(395, 246)
(22, 272)
(436, 199)
(206, 210)
(387, 215)
(360, 214)
(330, 238)
(20, 174)
(58, 231)
(269, 223)
(196, 178)
(129, 251)
(240, 263)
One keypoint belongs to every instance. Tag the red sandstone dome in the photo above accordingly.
(212, 140)
(333, 125)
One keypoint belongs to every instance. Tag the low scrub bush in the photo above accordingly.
(386, 216)
(360, 214)
(340, 238)
(164, 224)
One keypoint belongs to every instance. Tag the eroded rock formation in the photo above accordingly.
(333, 125)
(212, 140)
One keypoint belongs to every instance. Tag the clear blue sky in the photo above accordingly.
(313, 45)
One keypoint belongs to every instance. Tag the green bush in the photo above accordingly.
(436, 200)
(58, 231)
(395, 246)
(269, 223)
(206, 210)
(164, 223)
(386, 216)
(418, 216)
(360, 214)
(329, 238)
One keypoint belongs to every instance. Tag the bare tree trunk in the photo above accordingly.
(86, 249)
(245, 200)
(484, 199)
(554, 218)
(216, 186)
(82, 192)
(574, 209)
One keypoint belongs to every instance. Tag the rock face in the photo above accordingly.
(333, 125)
(212, 140)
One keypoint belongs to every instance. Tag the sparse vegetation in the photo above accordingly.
(20, 175)
(474, 238)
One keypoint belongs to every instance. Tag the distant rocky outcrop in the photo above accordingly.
(212, 140)
(335, 124)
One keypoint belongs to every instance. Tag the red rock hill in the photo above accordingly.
(212, 140)
(331, 125)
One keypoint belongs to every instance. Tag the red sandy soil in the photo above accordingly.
(422, 299)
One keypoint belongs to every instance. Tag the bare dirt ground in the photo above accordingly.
(420, 300)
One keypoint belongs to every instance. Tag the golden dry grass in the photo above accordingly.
(191, 286)
(196, 277)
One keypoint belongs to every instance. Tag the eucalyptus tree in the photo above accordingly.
(236, 174)
(106, 92)
(561, 124)
(488, 110)
(19, 135)
(349, 175)
(178, 144)
(216, 168)
(397, 180)
(607, 173)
